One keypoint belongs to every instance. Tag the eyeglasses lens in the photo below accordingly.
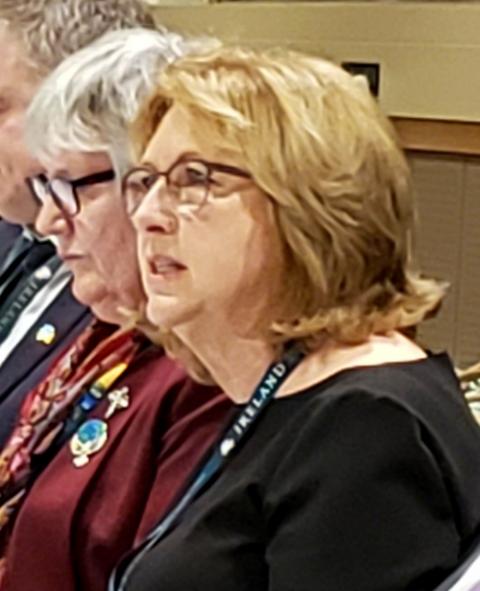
(38, 185)
(191, 179)
(65, 197)
(135, 186)
(187, 184)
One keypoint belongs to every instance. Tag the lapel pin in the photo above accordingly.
(88, 440)
(119, 400)
(46, 334)
(43, 274)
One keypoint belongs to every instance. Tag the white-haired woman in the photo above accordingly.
(273, 214)
(39, 319)
(104, 442)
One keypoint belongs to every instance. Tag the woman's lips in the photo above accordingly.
(163, 267)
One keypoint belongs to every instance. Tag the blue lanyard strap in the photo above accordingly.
(264, 393)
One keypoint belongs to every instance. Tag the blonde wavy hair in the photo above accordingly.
(317, 144)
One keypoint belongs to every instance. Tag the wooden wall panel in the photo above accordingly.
(446, 137)
(439, 183)
(468, 313)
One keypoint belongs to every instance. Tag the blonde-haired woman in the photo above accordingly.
(274, 218)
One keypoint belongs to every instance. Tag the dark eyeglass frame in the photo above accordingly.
(211, 167)
(102, 176)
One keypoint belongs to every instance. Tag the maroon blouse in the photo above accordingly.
(76, 523)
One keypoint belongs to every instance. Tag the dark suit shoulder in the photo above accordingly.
(28, 364)
(8, 234)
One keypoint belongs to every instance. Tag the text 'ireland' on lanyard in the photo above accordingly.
(263, 394)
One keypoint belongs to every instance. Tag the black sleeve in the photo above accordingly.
(358, 503)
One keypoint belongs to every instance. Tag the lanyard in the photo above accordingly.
(236, 433)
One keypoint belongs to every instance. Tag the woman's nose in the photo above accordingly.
(50, 220)
(156, 213)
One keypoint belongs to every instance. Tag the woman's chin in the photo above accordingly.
(97, 299)
(167, 313)
(160, 314)
(87, 293)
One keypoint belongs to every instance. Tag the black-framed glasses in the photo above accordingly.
(187, 181)
(64, 191)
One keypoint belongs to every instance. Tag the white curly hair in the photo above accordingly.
(87, 103)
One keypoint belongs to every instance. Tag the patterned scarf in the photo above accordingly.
(97, 350)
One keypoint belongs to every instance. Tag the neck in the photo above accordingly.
(236, 363)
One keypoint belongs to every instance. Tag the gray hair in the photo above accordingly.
(87, 103)
(51, 30)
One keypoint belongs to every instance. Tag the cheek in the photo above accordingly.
(115, 254)
(118, 243)
(254, 266)
(89, 237)
(104, 232)
(234, 263)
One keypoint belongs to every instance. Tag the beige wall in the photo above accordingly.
(429, 52)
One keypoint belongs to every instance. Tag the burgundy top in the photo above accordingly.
(76, 523)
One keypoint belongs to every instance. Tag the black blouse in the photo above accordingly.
(368, 481)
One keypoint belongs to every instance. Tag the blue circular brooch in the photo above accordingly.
(88, 440)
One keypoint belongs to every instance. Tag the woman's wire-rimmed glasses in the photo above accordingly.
(64, 191)
(187, 182)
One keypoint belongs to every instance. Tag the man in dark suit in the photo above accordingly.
(39, 316)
